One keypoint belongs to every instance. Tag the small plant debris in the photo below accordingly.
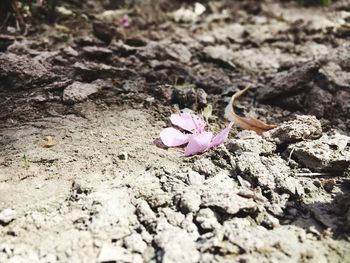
(247, 123)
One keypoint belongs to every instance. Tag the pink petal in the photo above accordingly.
(198, 143)
(222, 136)
(188, 122)
(125, 21)
(172, 137)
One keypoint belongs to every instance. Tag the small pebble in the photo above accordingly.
(123, 156)
(328, 185)
(6, 216)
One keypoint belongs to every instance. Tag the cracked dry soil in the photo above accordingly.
(86, 107)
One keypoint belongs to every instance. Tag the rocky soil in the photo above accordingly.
(84, 176)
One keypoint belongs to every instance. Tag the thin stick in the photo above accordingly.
(290, 155)
(313, 174)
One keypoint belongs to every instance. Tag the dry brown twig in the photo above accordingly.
(247, 123)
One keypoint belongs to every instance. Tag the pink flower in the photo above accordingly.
(198, 140)
(125, 21)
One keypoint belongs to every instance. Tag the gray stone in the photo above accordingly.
(277, 203)
(289, 82)
(267, 220)
(318, 102)
(79, 91)
(176, 246)
(333, 77)
(69, 51)
(194, 178)
(174, 218)
(329, 153)
(91, 71)
(220, 54)
(111, 253)
(267, 172)
(7, 216)
(229, 203)
(23, 72)
(113, 212)
(190, 201)
(207, 219)
(282, 243)
(302, 128)
(232, 31)
(135, 243)
(205, 167)
(190, 227)
(145, 213)
(179, 52)
(249, 141)
(221, 192)
(341, 99)
(165, 50)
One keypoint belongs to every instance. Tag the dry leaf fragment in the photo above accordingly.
(49, 142)
(207, 112)
(247, 123)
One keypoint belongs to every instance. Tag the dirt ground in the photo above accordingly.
(84, 176)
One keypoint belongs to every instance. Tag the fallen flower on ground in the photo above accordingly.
(198, 140)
